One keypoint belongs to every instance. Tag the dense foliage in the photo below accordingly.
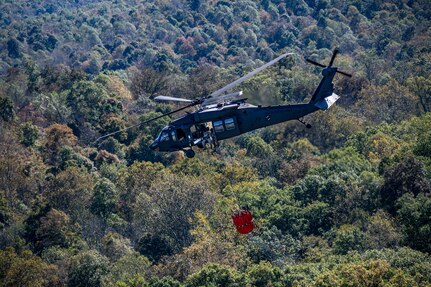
(346, 203)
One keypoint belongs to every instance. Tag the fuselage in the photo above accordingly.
(223, 122)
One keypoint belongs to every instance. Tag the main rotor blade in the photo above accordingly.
(227, 97)
(249, 75)
(172, 99)
(315, 63)
(194, 103)
(333, 57)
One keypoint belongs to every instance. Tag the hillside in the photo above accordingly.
(345, 203)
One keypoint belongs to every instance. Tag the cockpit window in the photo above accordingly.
(164, 136)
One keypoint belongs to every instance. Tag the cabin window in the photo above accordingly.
(218, 126)
(229, 124)
(181, 134)
(173, 135)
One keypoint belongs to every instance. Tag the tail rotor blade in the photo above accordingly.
(345, 74)
(330, 63)
(315, 63)
(333, 57)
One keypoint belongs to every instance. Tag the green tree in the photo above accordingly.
(215, 275)
(128, 268)
(263, 274)
(372, 273)
(164, 282)
(29, 134)
(271, 245)
(347, 238)
(87, 269)
(406, 176)
(85, 99)
(7, 112)
(382, 232)
(421, 87)
(116, 246)
(104, 198)
(414, 214)
(423, 145)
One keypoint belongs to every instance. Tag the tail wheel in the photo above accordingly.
(189, 153)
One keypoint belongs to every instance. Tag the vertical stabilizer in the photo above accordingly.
(324, 96)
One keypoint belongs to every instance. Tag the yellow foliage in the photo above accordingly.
(209, 247)
(117, 86)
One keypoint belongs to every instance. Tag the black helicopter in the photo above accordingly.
(221, 116)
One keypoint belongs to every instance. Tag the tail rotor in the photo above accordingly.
(334, 54)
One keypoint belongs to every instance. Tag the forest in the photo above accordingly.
(345, 203)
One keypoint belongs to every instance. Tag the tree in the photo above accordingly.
(116, 246)
(414, 214)
(347, 238)
(421, 87)
(104, 198)
(376, 102)
(423, 145)
(369, 273)
(165, 208)
(211, 245)
(263, 274)
(29, 134)
(318, 217)
(134, 180)
(269, 244)
(70, 191)
(256, 146)
(215, 275)
(130, 268)
(13, 48)
(164, 282)
(85, 99)
(54, 230)
(25, 269)
(57, 137)
(148, 83)
(5, 212)
(7, 112)
(382, 232)
(406, 176)
(87, 269)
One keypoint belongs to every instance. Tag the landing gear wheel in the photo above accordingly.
(189, 153)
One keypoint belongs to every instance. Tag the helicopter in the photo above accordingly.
(225, 114)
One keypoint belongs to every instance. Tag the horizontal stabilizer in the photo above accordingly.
(327, 102)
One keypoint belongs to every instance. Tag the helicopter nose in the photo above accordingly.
(154, 146)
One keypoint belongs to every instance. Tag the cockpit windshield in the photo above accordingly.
(164, 135)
